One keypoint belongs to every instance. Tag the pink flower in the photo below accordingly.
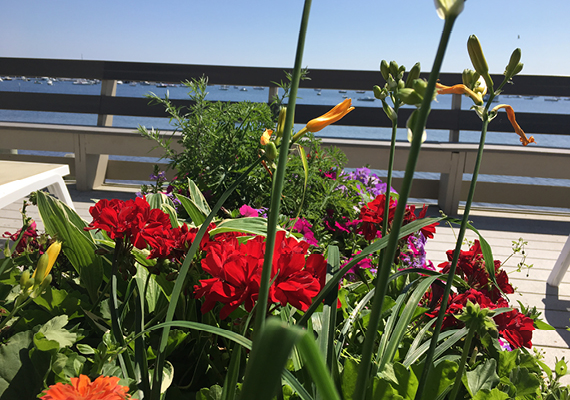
(247, 211)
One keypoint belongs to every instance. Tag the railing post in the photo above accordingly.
(91, 168)
(450, 183)
(273, 93)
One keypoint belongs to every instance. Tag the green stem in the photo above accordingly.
(115, 323)
(14, 311)
(279, 177)
(383, 273)
(451, 274)
(388, 194)
(464, 354)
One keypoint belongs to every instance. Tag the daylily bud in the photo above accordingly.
(40, 271)
(271, 151)
(410, 126)
(379, 93)
(45, 283)
(413, 75)
(392, 83)
(394, 69)
(401, 84)
(514, 66)
(389, 111)
(24, 278)
(420, 85)
(469, 78)
(448, 8)
(478, 59)
(384, 69)
(410, 96)
(281, 122)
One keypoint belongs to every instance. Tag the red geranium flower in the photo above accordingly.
(372, 216)
(134, 222)
(516, 328)
(236, 274)
(102, 388)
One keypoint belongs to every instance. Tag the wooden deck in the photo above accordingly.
(545, 234)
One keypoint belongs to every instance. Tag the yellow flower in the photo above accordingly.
(315, 125)
(460, 89)
(46, 262)
(511, 116)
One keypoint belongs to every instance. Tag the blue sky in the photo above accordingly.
(342, 34)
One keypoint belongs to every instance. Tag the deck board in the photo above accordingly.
(545, 234)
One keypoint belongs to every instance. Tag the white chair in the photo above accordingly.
(19, 179)
(561, 265)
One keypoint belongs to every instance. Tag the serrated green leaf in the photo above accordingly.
(482, 377)
(53, 331)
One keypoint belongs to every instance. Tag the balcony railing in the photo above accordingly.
(91, 145)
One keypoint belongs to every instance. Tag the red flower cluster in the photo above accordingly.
(135, 223)
(236, 274)
(514, 326)
(471, 267)
(372, 216)
(29, 239)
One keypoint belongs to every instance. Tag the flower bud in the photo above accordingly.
(420, 85)
(379, 93)
(281, 122)
(41, 269)
(514, 66)
(394, 69)
(271, 151)
(410, 127)
(413, 75)
(478, 59)
(410, 96)
(384, 69)
(38, 291)
(389, 111)
(24, 278)
(448, 8)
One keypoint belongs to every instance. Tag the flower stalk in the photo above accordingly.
(381, 284)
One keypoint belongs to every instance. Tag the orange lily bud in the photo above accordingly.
(266, 136)
(339, 111)
(511, 116)
(459, 89)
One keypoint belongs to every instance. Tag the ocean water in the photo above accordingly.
(305, 96)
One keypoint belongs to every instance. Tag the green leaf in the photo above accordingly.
(249, 225)
(538, 324)
(348, 378)
(526, 382)
(59, 301)
(53, 331)
(77, 246)
(507, 362)
(18, 377)
(383, 390)
(212, 393)
(151, 291)
(407, 385)
(482, 377)
(495, 394)
(439, 378)
(194, 212)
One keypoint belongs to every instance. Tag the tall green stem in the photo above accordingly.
(451, 274)
(388, 193)
(279, 176)
(179, 284)
(383, 273)
(466, 348)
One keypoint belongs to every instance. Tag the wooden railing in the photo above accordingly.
(91, 145)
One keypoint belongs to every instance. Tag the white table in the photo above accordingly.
(18, 179)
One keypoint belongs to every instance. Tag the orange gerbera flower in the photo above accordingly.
(511, 116)
(102, 388)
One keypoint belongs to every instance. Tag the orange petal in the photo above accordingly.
(336, 113)
(266, 136)
(511, 116)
